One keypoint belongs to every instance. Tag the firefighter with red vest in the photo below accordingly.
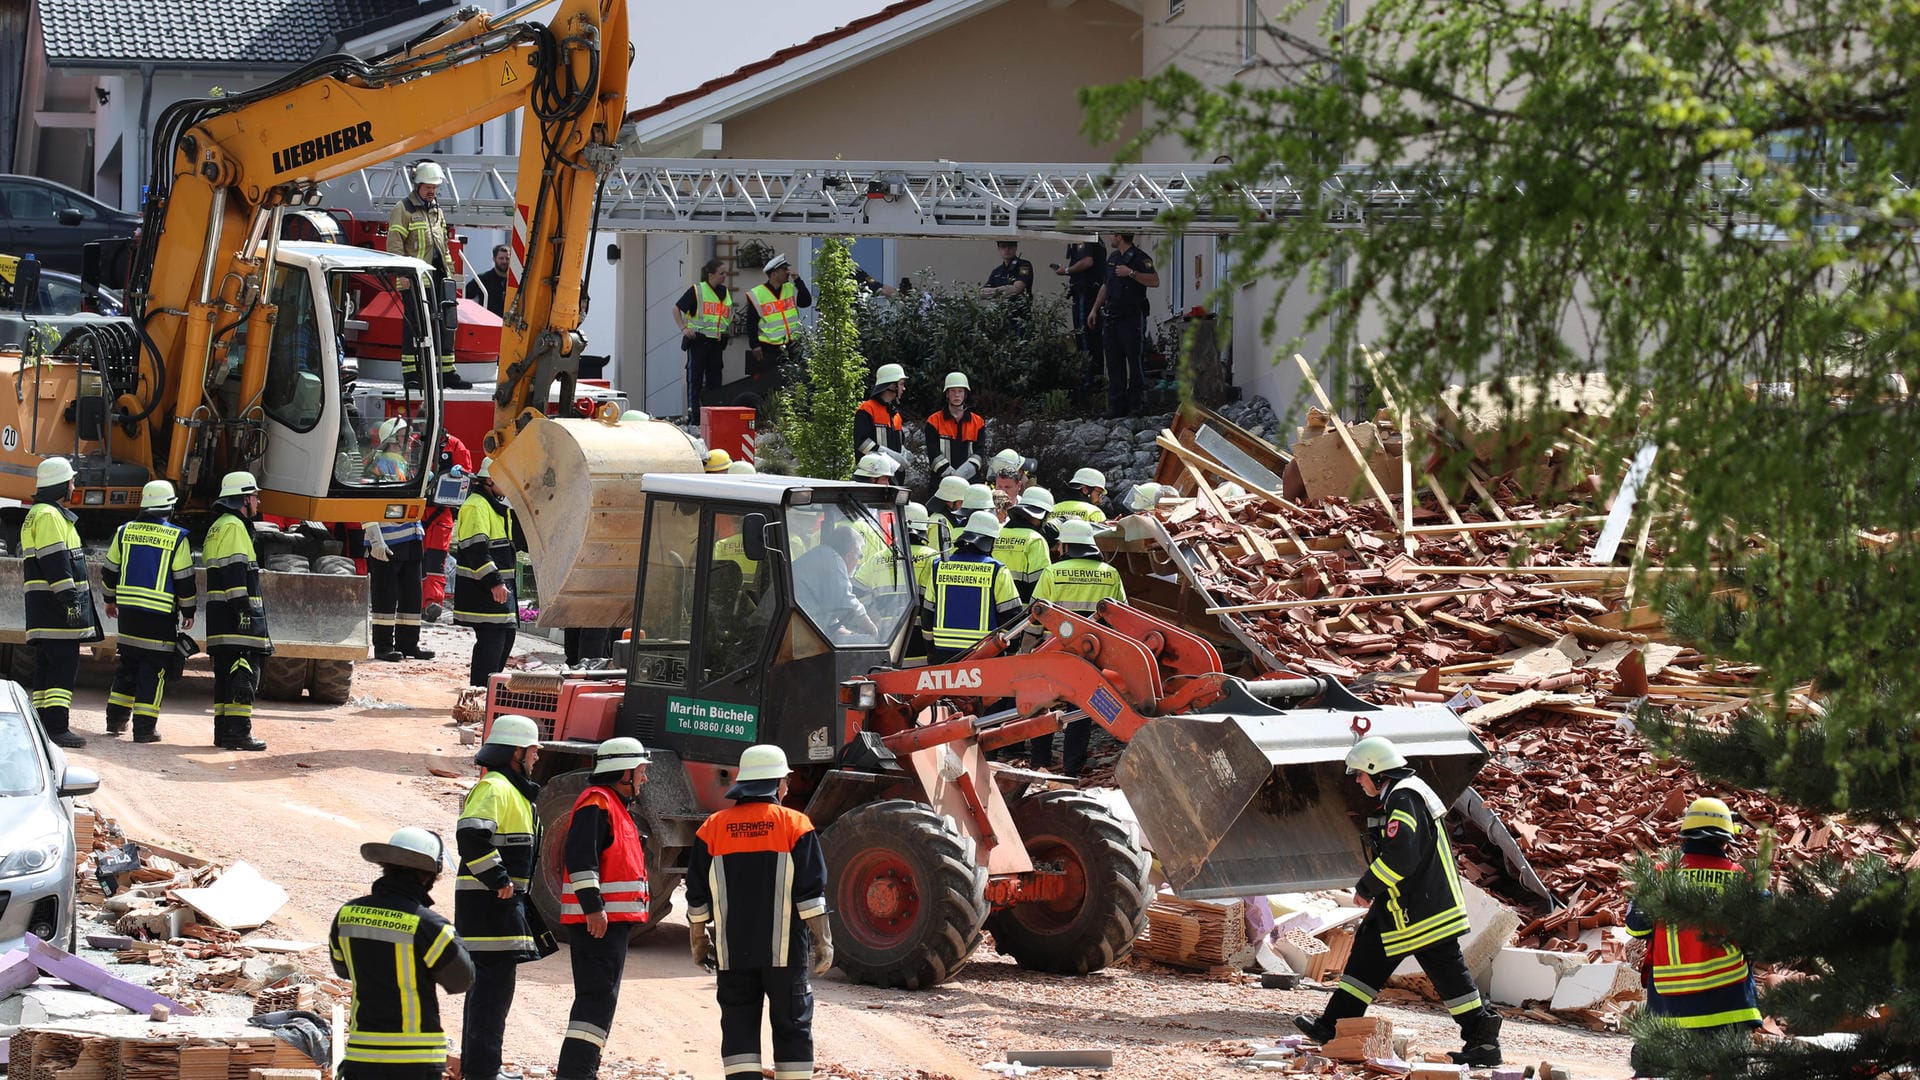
(956, 435)
(757, 906)
(604, 894)
(876, 423)
(1697, 982)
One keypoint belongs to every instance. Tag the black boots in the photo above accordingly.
(383, 649)
(1315, 1028)
(1481, 1033)
(118, 717)
(67, 739)
(230, 734)
(406, 641)
(453, 380)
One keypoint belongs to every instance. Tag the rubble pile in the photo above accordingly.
(1345, 559)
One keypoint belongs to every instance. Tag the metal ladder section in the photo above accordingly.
(957, 199)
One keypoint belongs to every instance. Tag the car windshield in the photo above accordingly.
(850, 575)
(20, 772)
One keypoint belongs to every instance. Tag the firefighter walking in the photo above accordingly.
(499, 841)
(757, 911)
(604, 894)
(150, 592)
(237, 635)
(1696, 982)
(1422, 915)
(395, 949)
(59, 609)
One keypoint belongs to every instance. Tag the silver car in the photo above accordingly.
(37, 856)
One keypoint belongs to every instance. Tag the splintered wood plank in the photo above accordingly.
(1346, 439)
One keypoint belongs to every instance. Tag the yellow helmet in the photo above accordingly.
(1709, 815)
(717, 461)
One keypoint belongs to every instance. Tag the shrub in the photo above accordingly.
(814, 412)
(1013, 367)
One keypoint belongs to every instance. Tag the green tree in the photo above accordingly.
(814, 412)
(1702, 202)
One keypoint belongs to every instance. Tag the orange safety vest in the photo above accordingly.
(622, 880)
(884, 418)
(950, 431)
(777, 313)
(1684, 962)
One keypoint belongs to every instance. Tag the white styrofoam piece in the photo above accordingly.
(1523, 975)
(240, 900)
(1586, 986)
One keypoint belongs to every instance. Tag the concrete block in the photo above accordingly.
(1590, 984)
(1494, 926)
(1523, 975)
(60, 1005)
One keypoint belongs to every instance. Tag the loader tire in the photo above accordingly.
(283, 677)
(555, 811)
(331, 682)
(338, 565)
(907, 896)
(21, 662)
(1105, 908)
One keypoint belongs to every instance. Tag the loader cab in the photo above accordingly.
(325, 438)
(758, 596)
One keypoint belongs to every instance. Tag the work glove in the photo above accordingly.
(899, 456)
(376, 544)
(821, 935)
(968, 470)
(701, 940)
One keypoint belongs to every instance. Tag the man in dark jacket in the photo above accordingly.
(877, 424)
(148, 577)
(757, 908)
(59, 609)
(396, 949)
(1423, 915)
(484, 555)
(603, 895)
(237, 635)
(499, 841)
(490, 287)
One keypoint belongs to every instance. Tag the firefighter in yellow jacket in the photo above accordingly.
(1412, 894)
(418, 229)
(499, 842)
(237, 635)
(59, 609)
(484, 557)
(148, 576)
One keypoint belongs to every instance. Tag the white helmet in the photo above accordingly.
(1374, 755)
(52, 472)
(1008, 462)
(762, 762)
(953, 488)
(156, 495)
(1075, 533)
(393, 427)
(875, 466)
(485, 471)
(978, 497)
(773, 264)
(957, 379)
(1092, 478)
(982, 523)
(236, 484)
(742, 468)
(1144, 497)
(429, 172)
(512, 729)
(888, 375)
(619, 755)
(918, 520)
(634, 414)
(1037, 498)
(411, 848)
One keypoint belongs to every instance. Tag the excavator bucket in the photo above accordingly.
(1255, 799)
(575, 489)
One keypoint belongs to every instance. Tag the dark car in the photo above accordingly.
(53, 221)
(59, 293)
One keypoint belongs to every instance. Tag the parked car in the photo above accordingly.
(37, 856)
(60, 293)
(54, 222)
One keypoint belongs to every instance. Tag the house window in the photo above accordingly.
(1251, 27)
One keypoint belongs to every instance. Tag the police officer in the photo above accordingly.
(1697, 983)
(604, 894)
(1078, 582)
(956, 435)
(499, 842)
(877, 423)
(971, 593)
(1086, 265)
(489, 287)
(484, 559)
(59, 607)
(1022, 547)
(757, 906)
(1091, 484)
(237, 637)
(775, 307)
(1422, 916)
(704, 314)
(1012, 280)
(418, 229)
(1120, 315)
(395, 572)
(439, 531)
(148, 576)
(395, 949)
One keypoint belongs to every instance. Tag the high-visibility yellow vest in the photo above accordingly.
(779, 315)
(714, 314)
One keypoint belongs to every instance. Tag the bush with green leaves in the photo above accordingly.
(814, 411)
(1013, 364)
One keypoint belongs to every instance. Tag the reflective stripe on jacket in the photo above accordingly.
(395, 950)
(484, 557)
(148, 572)
(971, 594)
(50, 552)
(1683, 961)
(779, 315)
(1079, 585)
(713, 313)
(756, 870)
(498, 838)
(233, 586)
(1412, 876)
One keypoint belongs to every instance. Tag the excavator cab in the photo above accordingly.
(757, 597)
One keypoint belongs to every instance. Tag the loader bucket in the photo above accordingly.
(1256, 800)
(574, 486)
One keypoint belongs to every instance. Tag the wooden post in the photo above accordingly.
(1346, 439)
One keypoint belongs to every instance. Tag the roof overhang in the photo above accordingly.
(822, 58)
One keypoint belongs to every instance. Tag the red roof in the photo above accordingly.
(741, 74)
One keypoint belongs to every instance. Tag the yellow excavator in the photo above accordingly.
(230, 354)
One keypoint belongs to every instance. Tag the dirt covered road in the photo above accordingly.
(333, 778)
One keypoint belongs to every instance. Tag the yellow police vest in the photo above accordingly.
(714, 312)
(779, 315)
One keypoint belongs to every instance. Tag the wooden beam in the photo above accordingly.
(1598, 572)
(1171, 445)
(1347, 601)
(1502, 526)
(1346, 439)
(1446, 505)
